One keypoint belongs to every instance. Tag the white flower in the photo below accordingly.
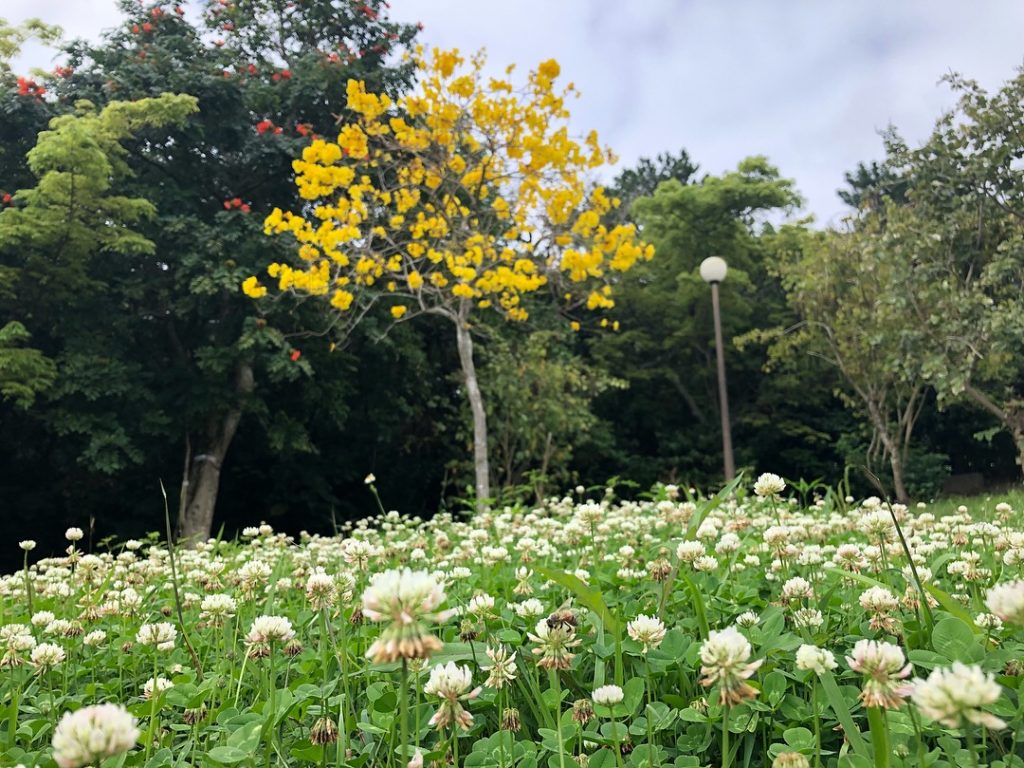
(405, 598)
(370, 478)
(884, 668)
(481, 605)
(530, 609)
(988, 621)
(688, 551)
(878, 600)
(451, 683)
(270, 629)
(769, 484)
(92, 733)
(321, 591)
(649, 631)
(42, 618)
(162, 635)
(502, 667)
(818, 660)
(1007, 601)
(797, 588)
(217, 608)
(46, 655)
(94, 638)
(747, 619)
(725, 659)
(160, 683)
(608, 695)
(956, 694)
(73, 534)
(28, 545)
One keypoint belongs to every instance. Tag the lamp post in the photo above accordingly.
(712, 271)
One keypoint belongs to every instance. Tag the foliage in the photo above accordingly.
(24, 372)
(264, 640)
(539, 400)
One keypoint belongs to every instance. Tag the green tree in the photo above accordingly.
(268, 77)
(666, 425)
(962, 231)
(841, 285)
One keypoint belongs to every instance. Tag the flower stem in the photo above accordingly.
(725, 736)
(879, 736)
(403, 708)
(556, 686)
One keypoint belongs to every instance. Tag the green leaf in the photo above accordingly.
(842, 712)
(951, 606)
(227, 755)
(953, 639)
(587, 595)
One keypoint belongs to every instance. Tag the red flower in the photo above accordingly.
(27, 87)
(333, 58)
(147, 27)
(6, 198)
(278, 130)
(236, 202)
(286, 74)
(275, 77)
(226, 73)
(156, 13)
(244, 208)
(227, 26)
(227, 205)
(63, 71)
(295, 355)
(368, 11)
(302, 129)
(251, 68)
(135, 28)
(263, 126)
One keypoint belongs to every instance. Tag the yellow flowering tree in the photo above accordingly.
(468, 194)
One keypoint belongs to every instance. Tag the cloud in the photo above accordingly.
(809, 84)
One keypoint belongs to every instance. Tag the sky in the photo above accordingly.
(810, 84)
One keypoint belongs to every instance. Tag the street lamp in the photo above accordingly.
(712, 270)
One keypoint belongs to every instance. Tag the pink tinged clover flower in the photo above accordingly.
(406, 599)
(885, 668)
(451, 684)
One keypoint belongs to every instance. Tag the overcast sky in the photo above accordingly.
(807, 83)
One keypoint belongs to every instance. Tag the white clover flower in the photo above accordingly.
(92, 733)
(321, 590)
(217, 608)
(160, 683)
(406, 599)
(747, 619)
(42, 618)
(94, 638)
(725, 659)
(769, 484)
(47, 655)
(810, 618)
(162, 635)
(481, 605)
(370, 478)
(797, 588)
(269, 629)
(818, 660)
(884, 668)
(649, 631)
(989, 621)
(451, 684)
(530, 609)
(608, 695)
(73, 534)
(705, 564)
(501, 667)
(1006, 601)
(954, 695)
(688, 551)
(27, 545)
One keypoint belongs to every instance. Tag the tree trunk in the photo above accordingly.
(481, 467)
(201, 480)
(894, 451)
